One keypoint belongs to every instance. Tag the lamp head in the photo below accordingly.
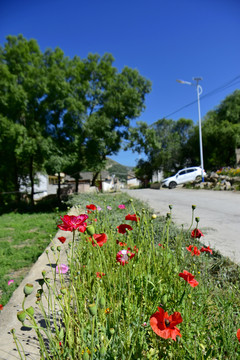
(184, 82)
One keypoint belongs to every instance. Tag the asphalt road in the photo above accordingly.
(219, 213)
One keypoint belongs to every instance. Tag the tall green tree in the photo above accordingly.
(24, 87)
(64, 114)
(220, 135)
(164, 145)
(113, 100)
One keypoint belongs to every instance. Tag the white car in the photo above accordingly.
(183, 176)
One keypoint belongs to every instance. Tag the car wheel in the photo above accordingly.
(172, 185)
(198, 178)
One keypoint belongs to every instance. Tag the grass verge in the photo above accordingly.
(23, 238)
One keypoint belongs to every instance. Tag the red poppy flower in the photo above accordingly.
(100, 274)
(99, 239)
(1, 307)
(62, 239)
(193, 250)
(123, 256)
(196, 233)
(189, 278)
(133, 217)
(238, 335)
(164, 325)
(206, 249)
(134, 249)
(71, 222)
(122, 228)
(91, 207)
(120, 243)
(161, 245)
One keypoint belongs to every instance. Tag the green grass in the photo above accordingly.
(23, 238)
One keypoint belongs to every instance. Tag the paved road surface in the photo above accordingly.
(219, 213)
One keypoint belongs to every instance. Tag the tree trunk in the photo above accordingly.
(76, 184)
(31, 180)
(95, 178)
(16, 183)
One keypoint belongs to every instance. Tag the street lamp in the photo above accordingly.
(199, 92)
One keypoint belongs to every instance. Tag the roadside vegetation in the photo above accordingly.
(136, 287)
(228, 171)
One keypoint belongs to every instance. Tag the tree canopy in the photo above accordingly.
(61, 114)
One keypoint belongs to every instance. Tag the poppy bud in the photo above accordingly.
(90, 230)
(85, 356)
(170, 207)
(47, 251)
(13, 331)
(112, 331)
(92, 309)
(102, 302)
(59, 248)
(63, 291)
(59, 296)
(28, 289)
(138, 213)
(41, 282)
(154, 216)
(194, 207)
(197, 219)
(168, 216)
(21, 315)
(30, 310)
(102, 351)
(130, 200)
(164, 299)
(53, 248)
(39, 292)
(44, 273)
(143, 211)
(47, 280)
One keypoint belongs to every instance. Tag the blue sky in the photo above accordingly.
(163, 40)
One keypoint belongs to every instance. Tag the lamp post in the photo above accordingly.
(199, 92)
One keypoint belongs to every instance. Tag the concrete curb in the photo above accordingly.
(8, 316)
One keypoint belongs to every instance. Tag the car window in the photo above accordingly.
(191, 170)
(183, 172)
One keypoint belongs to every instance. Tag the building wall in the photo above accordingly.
(40, 187)
(157, 176)
(237, 156)
(133, 182)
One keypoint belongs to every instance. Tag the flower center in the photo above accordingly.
(167, 322)
(124, 255)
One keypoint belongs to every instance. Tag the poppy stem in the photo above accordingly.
(192, 219)
(92, 350)
(180, 301)
(16, 343)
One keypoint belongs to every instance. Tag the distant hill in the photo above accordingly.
(121, 171)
